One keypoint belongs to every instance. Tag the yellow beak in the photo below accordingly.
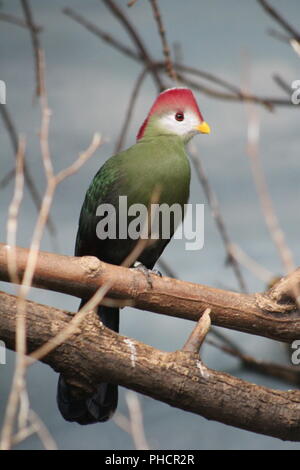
(203, 128)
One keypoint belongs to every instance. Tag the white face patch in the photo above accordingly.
(185, 128)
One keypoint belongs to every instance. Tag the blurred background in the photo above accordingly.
(89, 84)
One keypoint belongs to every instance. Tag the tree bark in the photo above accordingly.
(272, 314)
(179, 379)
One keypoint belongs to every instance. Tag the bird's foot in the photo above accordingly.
(138, 265)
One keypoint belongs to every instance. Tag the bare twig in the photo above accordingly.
(272, 222)
(102, 34)
(252, 265)
(296, 46)
(128, 116)
(12, 132)
(136, 421)
(35, 43)
(282, 84)
(268, 102)
(18, 21)
(294, 43)
(18, 390)
(136, 38)
(213, 330)
(280, 19)
(198, 335)
(278, 35)
(236, 94)
(7, 178)
(271, 219)
(13, 213)
(162, 32)
(23, 434)
(42, 431)
(72, 326)
(22, 362)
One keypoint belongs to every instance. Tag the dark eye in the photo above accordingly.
(179, 116)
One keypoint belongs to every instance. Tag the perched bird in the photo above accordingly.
(157, 159)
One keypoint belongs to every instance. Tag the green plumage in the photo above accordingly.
(136, 173)
(156, 164)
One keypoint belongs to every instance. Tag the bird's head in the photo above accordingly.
(174, 112)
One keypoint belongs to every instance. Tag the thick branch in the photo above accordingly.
(271, 315)
(179, 379)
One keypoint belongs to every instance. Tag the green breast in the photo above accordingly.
(161, 163)
(153, 163)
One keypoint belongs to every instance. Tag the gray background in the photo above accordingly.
(89, 85)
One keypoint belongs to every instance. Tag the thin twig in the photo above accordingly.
(102, 34)
(162, 33)
(270, 216)
(236, 93)
(128, 116)
(268, 102)
(271, 219)
(296, 46)
(35, 43)
(12, 132)
(22, 363)
(7, 178)
(13, 212)
(280, 36)
(279, 18)
(19, 382)
(134, 424)
(136, 38)
(282, 84)
(18, 21)
(42, 431)
(213, 330)
(294, 43)
(131, 3)
(252, 265)
(136, 421)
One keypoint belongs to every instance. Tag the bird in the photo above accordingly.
(158, 158)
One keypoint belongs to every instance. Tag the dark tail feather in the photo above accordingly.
(101, 406)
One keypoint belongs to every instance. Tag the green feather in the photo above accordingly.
(153, 162)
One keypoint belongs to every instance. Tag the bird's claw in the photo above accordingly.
(147, 272)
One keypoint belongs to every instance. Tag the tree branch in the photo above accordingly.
(136, 38)
(95, 353)
(272, 314)
(18, 21)
(279, 18)
(236, 94)
(13, 135)
(35, 43)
